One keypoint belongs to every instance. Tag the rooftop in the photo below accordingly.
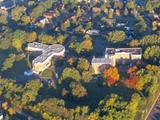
(134, 51)
(47, 50)
(101, 60)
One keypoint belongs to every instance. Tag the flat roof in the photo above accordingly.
(101, 60)
(134, 51)
(47, 50)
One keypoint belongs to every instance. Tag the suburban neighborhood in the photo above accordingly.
(79, 59)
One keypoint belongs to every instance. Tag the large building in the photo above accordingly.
(43, 61)
(114, 55)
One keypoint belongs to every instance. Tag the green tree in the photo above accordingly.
(44, 38)
(78, 90)
(3, 19)
(8, 62)
(83, 64)
(116, 36)
(152, 52)
(71, 73)
(31, 91)
(17, 12)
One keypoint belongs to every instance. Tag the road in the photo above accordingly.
(154, 113)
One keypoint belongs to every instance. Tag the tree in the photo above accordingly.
(87, 44)
(78, 90)
(31, 90)
(16, 43)
(126, 11)
(131, 81)
(152, 52)
(44, 38)
(87, 76)
(3, 19)
(149, 5)
(78, 12)
(8, 62)
(116, 36)
(32, 36)
(132, 69)
(110, 14)
(71, 73)
(17, 12)
(60, 39)
(83, 64)
(65, 25)
(131, 4)
(6, 40)
(111, 75)
(26, 19)
(140, 26)
(19, 38)
(41, 8)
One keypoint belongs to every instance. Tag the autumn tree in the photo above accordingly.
(65, 25)
(132, 69)
(19, 38)
(17, 12)
(26, 19)
(60, 39)
(44, 38)
(32, 36)
(77, 90)
(131, 81)
(87, 44)
(83, 64)
(111, 75)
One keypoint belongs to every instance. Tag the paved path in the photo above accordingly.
(154, 114)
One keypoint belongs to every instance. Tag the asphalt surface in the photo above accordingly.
(155, 112)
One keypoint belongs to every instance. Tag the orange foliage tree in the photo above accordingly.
(131, 81)
(132, 69)
(112, 75)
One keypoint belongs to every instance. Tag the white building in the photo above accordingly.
(114, 55)
(43, 61)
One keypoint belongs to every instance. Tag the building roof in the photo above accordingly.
(133, 51)
(101, 61)
(47, 50)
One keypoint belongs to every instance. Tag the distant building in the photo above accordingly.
(98, 62)
(114, 55)
(93, 32)
(49, 15)
(43, 61)
(44, 21)
(7, 5)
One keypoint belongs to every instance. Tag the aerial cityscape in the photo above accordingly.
(79, 59)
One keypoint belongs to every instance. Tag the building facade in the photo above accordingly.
(115, 55)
